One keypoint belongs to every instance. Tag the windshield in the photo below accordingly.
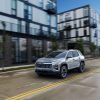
(57, 54)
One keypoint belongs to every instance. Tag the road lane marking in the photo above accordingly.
(52, 85)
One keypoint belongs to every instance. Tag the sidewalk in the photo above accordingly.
(16, 67)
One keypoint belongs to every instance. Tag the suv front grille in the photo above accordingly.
(44, 65)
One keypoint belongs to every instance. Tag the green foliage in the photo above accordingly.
(92, 47)
(79, 45)
(54, 43)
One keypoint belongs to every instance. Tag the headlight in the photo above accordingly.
(55, 66)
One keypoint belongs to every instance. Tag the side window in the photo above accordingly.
(75, 54)
(69, 55)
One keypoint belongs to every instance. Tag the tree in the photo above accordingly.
(54, 43)
(92, 47)
(79, 45)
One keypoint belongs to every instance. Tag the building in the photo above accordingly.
(25, 30)
(79, 23)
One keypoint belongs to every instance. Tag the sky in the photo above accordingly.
(64, 5)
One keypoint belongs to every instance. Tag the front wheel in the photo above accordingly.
(82, 67)
(63, 72)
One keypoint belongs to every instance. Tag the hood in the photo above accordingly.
(47, 60)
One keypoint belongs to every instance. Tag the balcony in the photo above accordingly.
(51, 8)
(86, 23)
(39, 33)
(93, 25)
(12, 27)
(68, 27)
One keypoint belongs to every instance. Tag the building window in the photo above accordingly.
(75, 25)
(19, 50)
(60, 18)
(68, 34)
(67, 17)
(30, 12)
(85, 12)
(27, 12)
(36, 49)
(85, 32)
(1, 47)
(14, 7)
(41, 3)
(74, 14)
(19, 26)
(80, 24)
(77, 34)
(86, 23)
(48, 17)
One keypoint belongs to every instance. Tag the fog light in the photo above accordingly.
(55, 67)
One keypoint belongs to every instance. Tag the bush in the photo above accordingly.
(54, 43)
(79, 45)
(92, 47)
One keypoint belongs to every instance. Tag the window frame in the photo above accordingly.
(75, 52)
(14, 9)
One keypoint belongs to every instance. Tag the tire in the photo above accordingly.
(63, 72)
(39, 74)
(82, 67)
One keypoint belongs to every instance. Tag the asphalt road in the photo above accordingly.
(26, 85)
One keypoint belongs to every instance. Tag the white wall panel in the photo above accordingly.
(5, 6)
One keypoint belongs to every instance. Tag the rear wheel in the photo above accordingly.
(82, 67)
(63, 71)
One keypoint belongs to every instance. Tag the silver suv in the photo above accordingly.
(59, 62)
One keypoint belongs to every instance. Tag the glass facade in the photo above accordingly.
(19, 50)
(37, 48)
(30, 12)
(1, 47)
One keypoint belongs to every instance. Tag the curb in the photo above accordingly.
(15, 68)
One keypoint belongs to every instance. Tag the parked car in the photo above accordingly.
(59, 62)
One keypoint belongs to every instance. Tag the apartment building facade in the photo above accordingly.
(79, 23)
(25, 29)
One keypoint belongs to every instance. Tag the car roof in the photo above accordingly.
(64, 50)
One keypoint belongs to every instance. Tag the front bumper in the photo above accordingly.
(46, 71)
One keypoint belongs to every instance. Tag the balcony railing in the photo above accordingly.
(12, 27)
(51, 8)
(67, 27)
(39, 32)
(93, 25)
(86, 23)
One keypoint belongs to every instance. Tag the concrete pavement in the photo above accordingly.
(79, 86)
